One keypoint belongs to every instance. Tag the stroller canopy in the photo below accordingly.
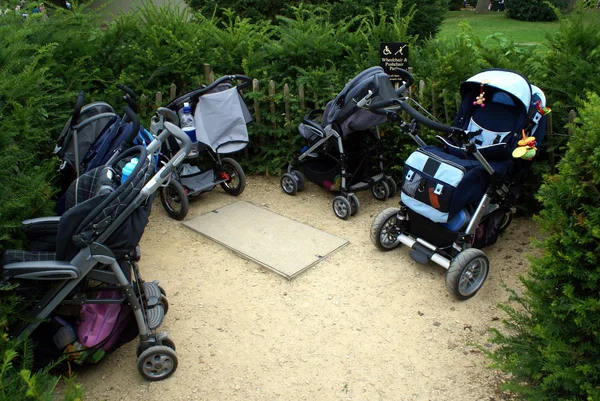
(343, 110)
(506, 81)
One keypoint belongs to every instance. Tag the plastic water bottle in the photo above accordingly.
(188, 125)
(128, 169)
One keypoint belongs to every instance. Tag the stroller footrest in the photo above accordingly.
(155, 316)
(155, 303)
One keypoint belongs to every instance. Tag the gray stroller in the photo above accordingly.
(342, 145)
(95, 251)
(220, 116)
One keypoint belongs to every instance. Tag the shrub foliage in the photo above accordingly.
(534, 10)
(552, 345)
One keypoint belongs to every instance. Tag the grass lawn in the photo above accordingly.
(493, 22)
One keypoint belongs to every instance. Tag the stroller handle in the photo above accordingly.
(200, 92)
(408, 79)
(77, 110)
(128, 91)
(132, 116)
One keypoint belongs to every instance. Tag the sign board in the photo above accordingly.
(392, 56)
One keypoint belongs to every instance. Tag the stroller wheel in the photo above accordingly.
(166, 341)
(467, 273)
(506, 220)
(235, 178)
(380, 190)
(157, 363)
(385, 230)
(299, 179)
(175, 200)
(354, 204)
(289, 184)
(341, 207)
(392, 185)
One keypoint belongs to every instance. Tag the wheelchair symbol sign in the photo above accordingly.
(392, 56)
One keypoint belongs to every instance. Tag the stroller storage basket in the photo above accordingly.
(323, 171)
(429, 184)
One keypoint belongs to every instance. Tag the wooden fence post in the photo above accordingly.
(572, 116)
(445, 105)
(158, 99)
(206, 73)
(256, 90)
(173, 92)
(301, 97)
(143, 100)
(421, 90)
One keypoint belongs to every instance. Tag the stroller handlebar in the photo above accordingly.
(77, 110)
(200, 92)
(132, 116)
(128, 91)
(408, 79)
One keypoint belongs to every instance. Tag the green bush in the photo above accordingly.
(455, 5)
(551, 342)
(570, 66)
(533, 10)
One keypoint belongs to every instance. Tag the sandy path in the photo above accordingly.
(360, 325)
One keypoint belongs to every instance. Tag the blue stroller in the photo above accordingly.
(456, 199)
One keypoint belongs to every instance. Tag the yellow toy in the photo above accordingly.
(527, 148)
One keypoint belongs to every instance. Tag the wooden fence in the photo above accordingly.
(438, 106)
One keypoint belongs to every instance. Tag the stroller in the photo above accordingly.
(220, 117)
(92, 134)
(456, 199)
(341, 146)
(91, 267)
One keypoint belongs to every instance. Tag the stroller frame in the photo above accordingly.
(225, 170)
(157, 358)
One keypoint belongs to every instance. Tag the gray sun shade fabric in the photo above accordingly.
(221, 119)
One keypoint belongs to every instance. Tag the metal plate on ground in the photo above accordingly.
(276, 242)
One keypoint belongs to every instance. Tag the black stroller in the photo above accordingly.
(342, 146)
(457, 199)
(95, 252)
(220, 116)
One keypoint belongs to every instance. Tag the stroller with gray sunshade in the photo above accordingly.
(95, 251)
(343, 141)
(220, 116)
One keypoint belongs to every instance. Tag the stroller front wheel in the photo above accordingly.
(341, 207)
(174, 199)
(157, 363)
(467, 273)
(385, 230)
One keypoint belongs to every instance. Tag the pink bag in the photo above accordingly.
(99, 322)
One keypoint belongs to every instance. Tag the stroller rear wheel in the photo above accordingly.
(341, 207)
(289, 184)
(467, 273)
(174, 199)
(234, 175)
(354, 204)
(380, 190)
(392, 185)
(506, 220)
(385, 230)
(299, 179)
